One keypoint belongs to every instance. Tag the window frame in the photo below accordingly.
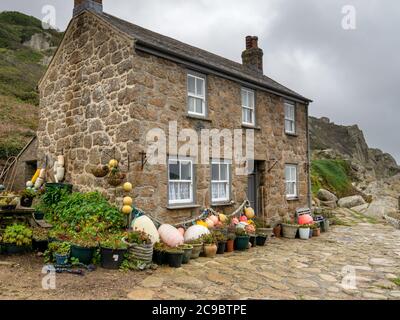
(292, 104)
(189, 95)
(252, 109)
(192, 181)
(228, 182)
(296, 181)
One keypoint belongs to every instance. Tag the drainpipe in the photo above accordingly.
(308, 158)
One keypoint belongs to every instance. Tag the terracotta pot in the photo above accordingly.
(230, 246)
(316, 232)
(210, 250)
(278, 231)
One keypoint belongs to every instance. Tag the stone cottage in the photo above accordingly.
(111, 82)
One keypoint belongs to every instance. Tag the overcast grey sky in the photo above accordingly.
(353, 76)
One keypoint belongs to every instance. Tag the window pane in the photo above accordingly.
(191, 85)
(192, 104)
(251, 99)
(215, 172)
(224, 172)
(200, 87)
(199, 106)
(186, 170)
(287, 173)
(173, 191)
(246, 115)
(244, 98)
(184, 191)
(174, 171)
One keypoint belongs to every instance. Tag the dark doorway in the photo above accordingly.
(30, 169)
(254, 183)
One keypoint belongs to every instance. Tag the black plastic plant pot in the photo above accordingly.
(242, 243)
(14, 249)
(159, 257)
(38, 215)
(40, 245)
(221, 247)
(112, 259)
(187, 253)
(253, 241)
(175, 259)
(84, 255)
(260, 240)
(26, 202)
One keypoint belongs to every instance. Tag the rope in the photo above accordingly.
(138, 213)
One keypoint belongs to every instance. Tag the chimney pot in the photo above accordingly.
(93, 5)
(253, 56)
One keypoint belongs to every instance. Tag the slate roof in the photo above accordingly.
(163, 43)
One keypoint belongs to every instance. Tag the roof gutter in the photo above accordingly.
(206, 68)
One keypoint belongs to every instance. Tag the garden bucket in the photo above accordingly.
(61, 259)
(112, 259)
(40, 246)
(304, 233)
(197, 248)
(221, 247)
(242, 243)
(175, 259)
(142, 252)
(159, 257)
(84, 255)
(289, 231)
(253, 241)
(186, 255)
(260, 240)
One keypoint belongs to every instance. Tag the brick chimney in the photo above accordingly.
(252, 57)
(94, 5)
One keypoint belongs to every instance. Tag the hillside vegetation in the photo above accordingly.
(21, 67)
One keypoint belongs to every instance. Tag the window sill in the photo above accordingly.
(182, 206)
(194, 117)
(292, 199)
(291, 134)
(248, 126)
(223, 204)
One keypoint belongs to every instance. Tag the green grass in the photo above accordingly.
(363, 218)
(333, 175)
(396, 281)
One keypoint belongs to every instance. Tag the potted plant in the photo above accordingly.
(316, 230)
(61, 252)
(27, 197)
(40, 239)
(210, 246)
(83, 246)
(17, 239)
(187, 252)
(251, 231)
(220, 238)
(175, 257)
(160, 254)
(230, 243)
(289, 229)
(304, 231)
(261, 239)
(242, 240)
(263, 228)
(140, 246)
(197, 248)
(112, 252)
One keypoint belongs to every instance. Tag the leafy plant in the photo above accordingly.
(113, 242)
(231, 236)
(87, 238)
(18, 234)
(160, 246)
(241, 232)
(28, 193)
(208, 239)
(40, 234)
(219, 236)
(305, 226)
(174, 250)
(138, 237)
(185, 246)
(196, 241)
(61, 248)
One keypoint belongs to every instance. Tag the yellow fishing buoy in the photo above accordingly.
(126, 210)
(128, 201)
(128, 187)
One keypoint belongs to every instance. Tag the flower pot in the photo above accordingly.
(230, 246)
(26, 202)
(260, 240)
(175, 259)
(277, 231)
(14, 249)
(311, 233)
(112, 258)
(187, 253)
(197, 248)
(210, 250)
(316, 232)
(40, 245)
(242, 243)
(61, 259)
(38, 215)
(142, 252)
(325, 225)
(84, 255)
(289, 231)
(304, 233)
(221, 247)
(267, 231)
(253, 241)
(159, 257)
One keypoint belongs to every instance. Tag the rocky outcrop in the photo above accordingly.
(351, 202)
